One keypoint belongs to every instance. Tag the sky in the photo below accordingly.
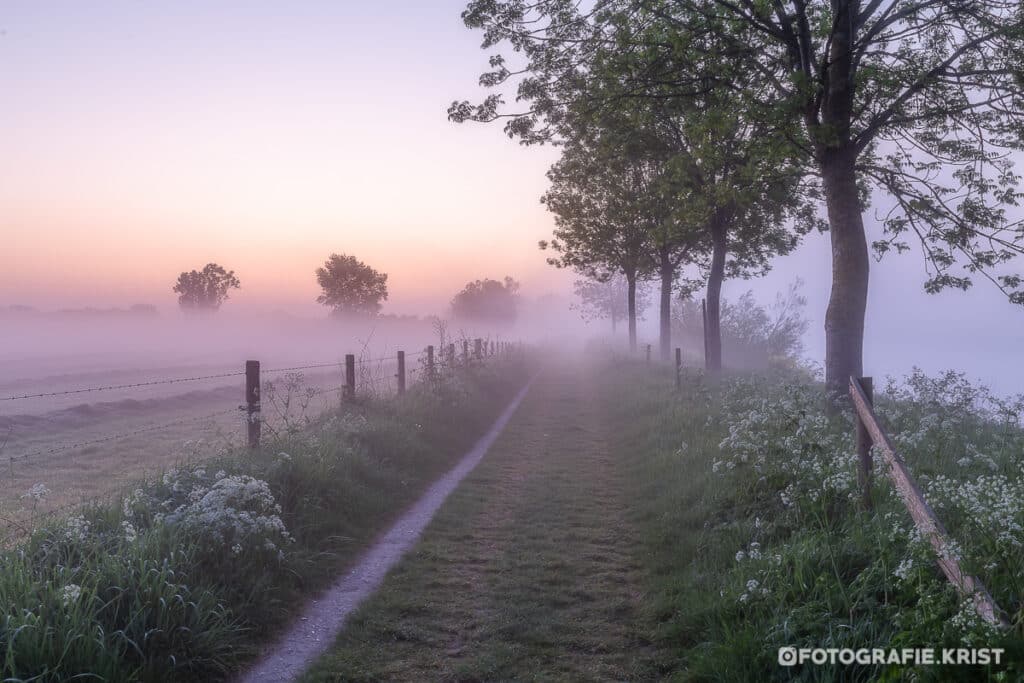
(141, 139)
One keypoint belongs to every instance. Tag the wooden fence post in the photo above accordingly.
(478, 348)
(865, 466)
(492, 348)
(252, 403)
(465, 352)
(350, 376)
(451, 357)
(679, 368)
(401, 372)
(648, 354)
(430, 362)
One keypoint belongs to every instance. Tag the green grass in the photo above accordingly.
(197, 568)
(754, 466)
(621, 530)
(529, 572)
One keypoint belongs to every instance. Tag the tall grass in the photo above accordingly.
(187, 573)
(748, 498)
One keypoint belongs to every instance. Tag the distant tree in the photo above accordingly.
(350, 286)
(919, 100)
(487, 301)
(609, 299)
(205, 290)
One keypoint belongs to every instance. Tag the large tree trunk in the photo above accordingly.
(667, 271)
(713, 333)
(631, 307)
(844, 319)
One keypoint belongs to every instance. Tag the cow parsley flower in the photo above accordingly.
(70, 594)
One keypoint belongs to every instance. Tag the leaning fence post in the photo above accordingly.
(401, 372)
(865, 465)
(350, 376)
(679, 368)
(430, 361)
(252, 402)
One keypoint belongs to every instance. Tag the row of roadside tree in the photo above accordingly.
(712, 135)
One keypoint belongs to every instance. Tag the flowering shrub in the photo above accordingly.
(811, 549)
(237, 512)
(788, 442)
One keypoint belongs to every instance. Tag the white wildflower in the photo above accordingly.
(77, 528)
(70, 594)
(38, 493)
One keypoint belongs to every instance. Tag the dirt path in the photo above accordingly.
(324, 619)
(528, 572)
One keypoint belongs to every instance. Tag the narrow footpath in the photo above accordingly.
(527, 572)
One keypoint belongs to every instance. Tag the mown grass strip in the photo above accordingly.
(528, 572)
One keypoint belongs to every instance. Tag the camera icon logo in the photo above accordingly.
(787, 656)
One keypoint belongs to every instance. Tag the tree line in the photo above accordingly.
(715, 134)
(350, 288)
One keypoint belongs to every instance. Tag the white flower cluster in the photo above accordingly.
(70, 594)
(788, 436)
(238, 512)
(76, 528)
(992, 505)
(37, 493)
(754, 589)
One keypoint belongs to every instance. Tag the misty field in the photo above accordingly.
(183, 575)
(80, 421)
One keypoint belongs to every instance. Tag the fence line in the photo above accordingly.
(254, 384)
(251, 410)
(111, 387)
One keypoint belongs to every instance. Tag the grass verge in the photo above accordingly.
(746, 497)
(530, 570)
(191, 571)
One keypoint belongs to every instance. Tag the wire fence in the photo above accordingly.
(57, 449)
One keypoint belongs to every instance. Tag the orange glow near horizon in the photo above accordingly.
(128, 161)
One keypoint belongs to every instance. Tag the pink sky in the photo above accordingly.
(139, 142)
(141, 139)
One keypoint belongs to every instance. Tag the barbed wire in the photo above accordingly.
(304, 367)
(178, 380)
(111, 387)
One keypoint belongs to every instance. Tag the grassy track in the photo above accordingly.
(529, 572)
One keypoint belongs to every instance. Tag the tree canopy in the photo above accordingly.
(350, 287)
(487, 302)
(206, 289)
(920, 100)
